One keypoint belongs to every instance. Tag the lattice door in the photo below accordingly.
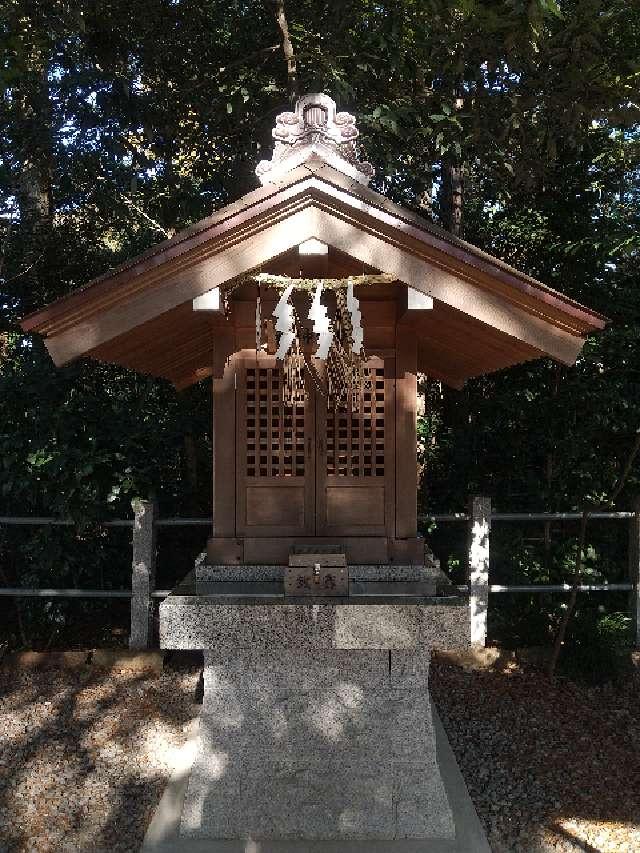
(275, 432)
(355, 467)
(355, 440)
(275, 466)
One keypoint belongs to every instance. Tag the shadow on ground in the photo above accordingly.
(85, 754)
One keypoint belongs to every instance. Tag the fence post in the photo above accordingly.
(143, 573)
(479, 530)
(634, 570)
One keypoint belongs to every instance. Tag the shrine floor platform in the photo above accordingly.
(162, 833)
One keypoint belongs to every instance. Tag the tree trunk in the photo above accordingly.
(32, 178)
(577, 573)
(287, 49)
(573, 598)
(451, 197)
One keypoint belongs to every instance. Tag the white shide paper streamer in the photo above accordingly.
(321, 325)
(283, 312)
(353, 307)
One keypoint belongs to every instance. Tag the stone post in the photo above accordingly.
(143, 576)
(479, 530)
(634, 571)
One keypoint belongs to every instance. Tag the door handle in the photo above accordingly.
(320, 446)
(309, 446)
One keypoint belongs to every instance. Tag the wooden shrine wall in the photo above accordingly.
(303, 475)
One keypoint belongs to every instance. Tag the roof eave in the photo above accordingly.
(321, 184)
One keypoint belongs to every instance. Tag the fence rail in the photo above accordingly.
(25, 592)
(528, 516)
(554, 587)
(479, 519)
(36, 521)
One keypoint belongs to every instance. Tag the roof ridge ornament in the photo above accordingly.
(314, 130)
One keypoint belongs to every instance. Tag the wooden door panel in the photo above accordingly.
(275, 506)
(355, 461)
(274, 460)
(356, 508)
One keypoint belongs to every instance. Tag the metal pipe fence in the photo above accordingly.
(478, 519)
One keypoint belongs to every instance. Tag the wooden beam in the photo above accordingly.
(460, 360)
(329, 188)
(470, 335)
(454, 253)
(187, 381)
(197, 347)
(224, 444)
(213, 444)
(251, 211)
(418, 301)
(209, 301)
(373, 249)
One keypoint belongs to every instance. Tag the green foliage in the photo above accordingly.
(598, 645)
(81, 442)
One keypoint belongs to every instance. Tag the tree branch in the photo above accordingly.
(287, 49)
(164, 231)
(264, 51)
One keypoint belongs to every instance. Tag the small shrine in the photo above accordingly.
(311, 304)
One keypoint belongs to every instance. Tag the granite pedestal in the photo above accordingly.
(316, 722)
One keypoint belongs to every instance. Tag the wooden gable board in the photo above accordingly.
(322, 203)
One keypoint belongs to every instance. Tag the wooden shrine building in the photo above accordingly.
(309, 450)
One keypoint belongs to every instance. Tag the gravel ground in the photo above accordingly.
(85, 755)
(549, 767)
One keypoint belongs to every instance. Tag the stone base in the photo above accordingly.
(336, 744)
(208, 573)
(163, 836)
(316, 726)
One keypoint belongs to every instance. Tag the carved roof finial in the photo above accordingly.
(315, 129)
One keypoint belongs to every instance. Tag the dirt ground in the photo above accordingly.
(550, 767)
(85, 755)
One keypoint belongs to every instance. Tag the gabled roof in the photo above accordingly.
(139, 314)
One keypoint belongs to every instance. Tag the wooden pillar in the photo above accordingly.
(143, 575)
(479, 530)
(406, 435)
(634, 571)
(224, 459)
(213, 455)
(222, 546)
